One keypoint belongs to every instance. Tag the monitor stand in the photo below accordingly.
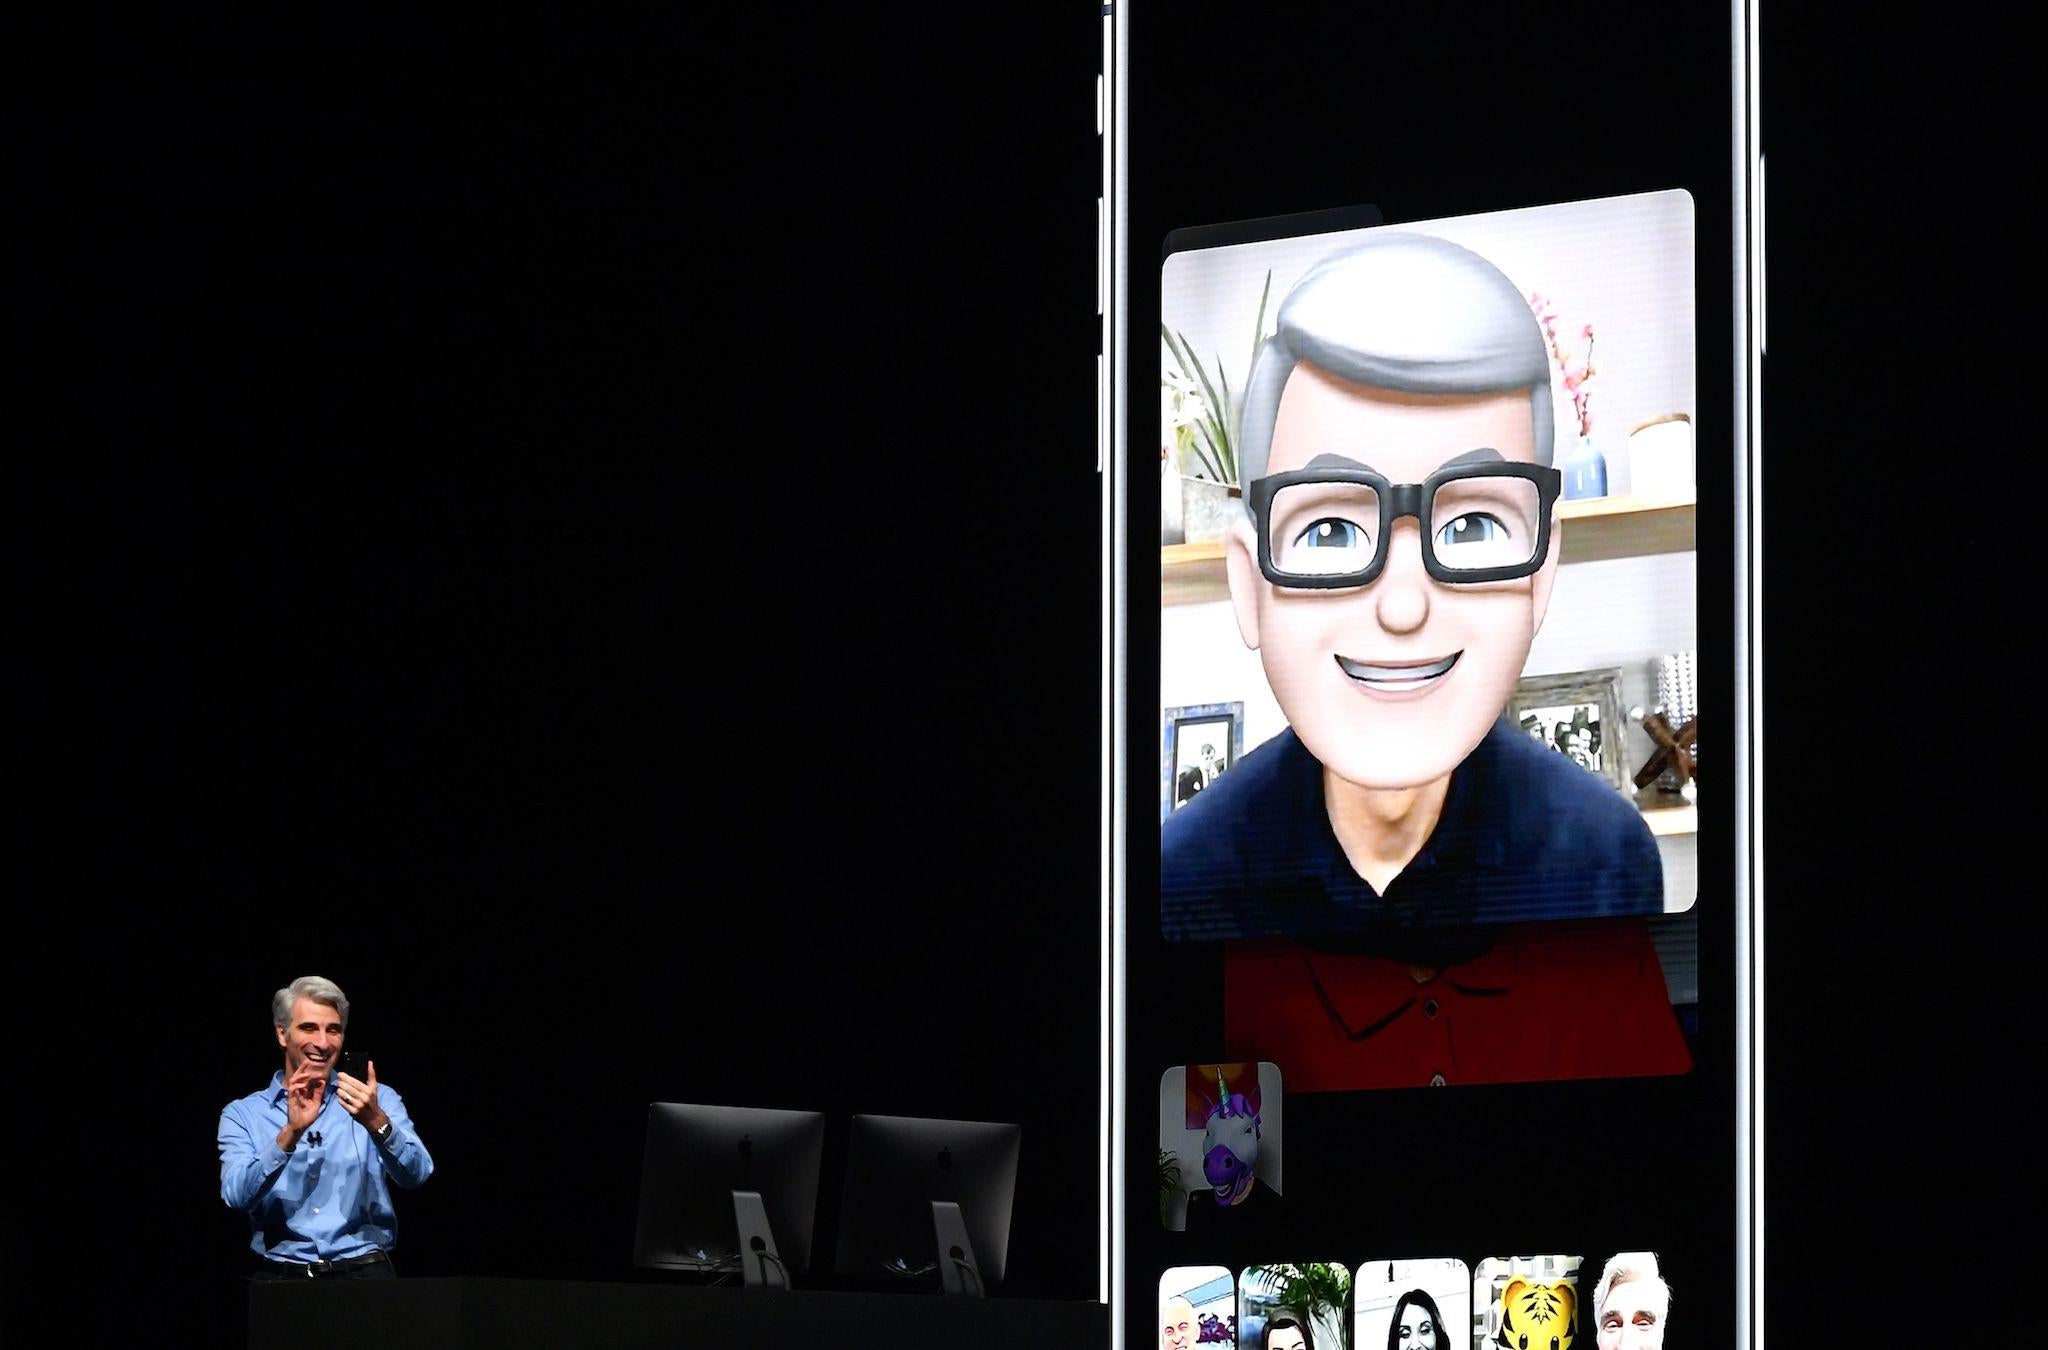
(958, 1271)
(759, 1259)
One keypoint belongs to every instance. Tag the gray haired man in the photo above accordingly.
(1631, 1303)
(312, 1158)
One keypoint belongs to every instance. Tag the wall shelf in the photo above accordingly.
(1596, 529)
(1191, 573)
(1669, 820)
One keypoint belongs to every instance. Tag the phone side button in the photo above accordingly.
(1763, 253)
(1101, 270)
(1098, 412)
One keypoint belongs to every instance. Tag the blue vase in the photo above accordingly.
(1585, 472)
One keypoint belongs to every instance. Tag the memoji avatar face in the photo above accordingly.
(1393, 681)
(1537, 1315)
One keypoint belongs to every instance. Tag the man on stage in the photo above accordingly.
(311, 1158)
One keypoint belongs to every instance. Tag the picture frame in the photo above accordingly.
(1200, 742)
(1578, 714)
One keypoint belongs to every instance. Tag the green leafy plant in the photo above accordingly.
(1318, 1292)
(1206, 413)
(1169, 1182)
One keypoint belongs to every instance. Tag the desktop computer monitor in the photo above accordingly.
(725, 1188)
(924, 1193)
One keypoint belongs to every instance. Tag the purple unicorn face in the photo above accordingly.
(1230, 1148)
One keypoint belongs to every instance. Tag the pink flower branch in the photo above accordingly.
(1578, 371)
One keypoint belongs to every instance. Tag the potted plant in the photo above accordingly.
(1203, 416)
(1319, 1294)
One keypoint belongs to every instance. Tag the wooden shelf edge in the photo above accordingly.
(1672, 820)
(1592, 508)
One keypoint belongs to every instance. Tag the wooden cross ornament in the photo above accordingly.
(1674, 749)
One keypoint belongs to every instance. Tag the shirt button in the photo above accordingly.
(1435, 1080)
(316, 1209)
(1429, 1008)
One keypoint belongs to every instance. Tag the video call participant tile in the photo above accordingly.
(1221, 1126)
(1412, 1305)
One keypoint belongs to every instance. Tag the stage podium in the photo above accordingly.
(456, 1314)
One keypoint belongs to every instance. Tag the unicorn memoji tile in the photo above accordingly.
(1219, 1141)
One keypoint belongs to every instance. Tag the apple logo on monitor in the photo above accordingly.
(747, 1147)
(946, 1159)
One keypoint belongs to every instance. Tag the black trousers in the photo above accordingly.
(378, 1268)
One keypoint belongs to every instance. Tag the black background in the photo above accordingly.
(488, 531)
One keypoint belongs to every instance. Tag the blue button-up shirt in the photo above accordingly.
(324, 1200)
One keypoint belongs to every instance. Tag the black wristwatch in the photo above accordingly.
(382, 1133)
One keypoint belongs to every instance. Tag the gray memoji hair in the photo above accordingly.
(315, 987)
(1623, 1268)
(1406, 312)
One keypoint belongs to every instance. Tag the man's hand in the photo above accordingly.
(359, 1099)
(303, 1097)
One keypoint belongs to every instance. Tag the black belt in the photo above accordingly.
(315, 1269)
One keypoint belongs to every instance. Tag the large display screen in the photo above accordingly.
(1426, 915)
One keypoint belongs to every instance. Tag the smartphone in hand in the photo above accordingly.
(356, 1065)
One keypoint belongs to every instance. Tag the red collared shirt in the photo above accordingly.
(1546, 1002)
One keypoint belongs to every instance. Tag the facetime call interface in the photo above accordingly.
(1427, 636)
